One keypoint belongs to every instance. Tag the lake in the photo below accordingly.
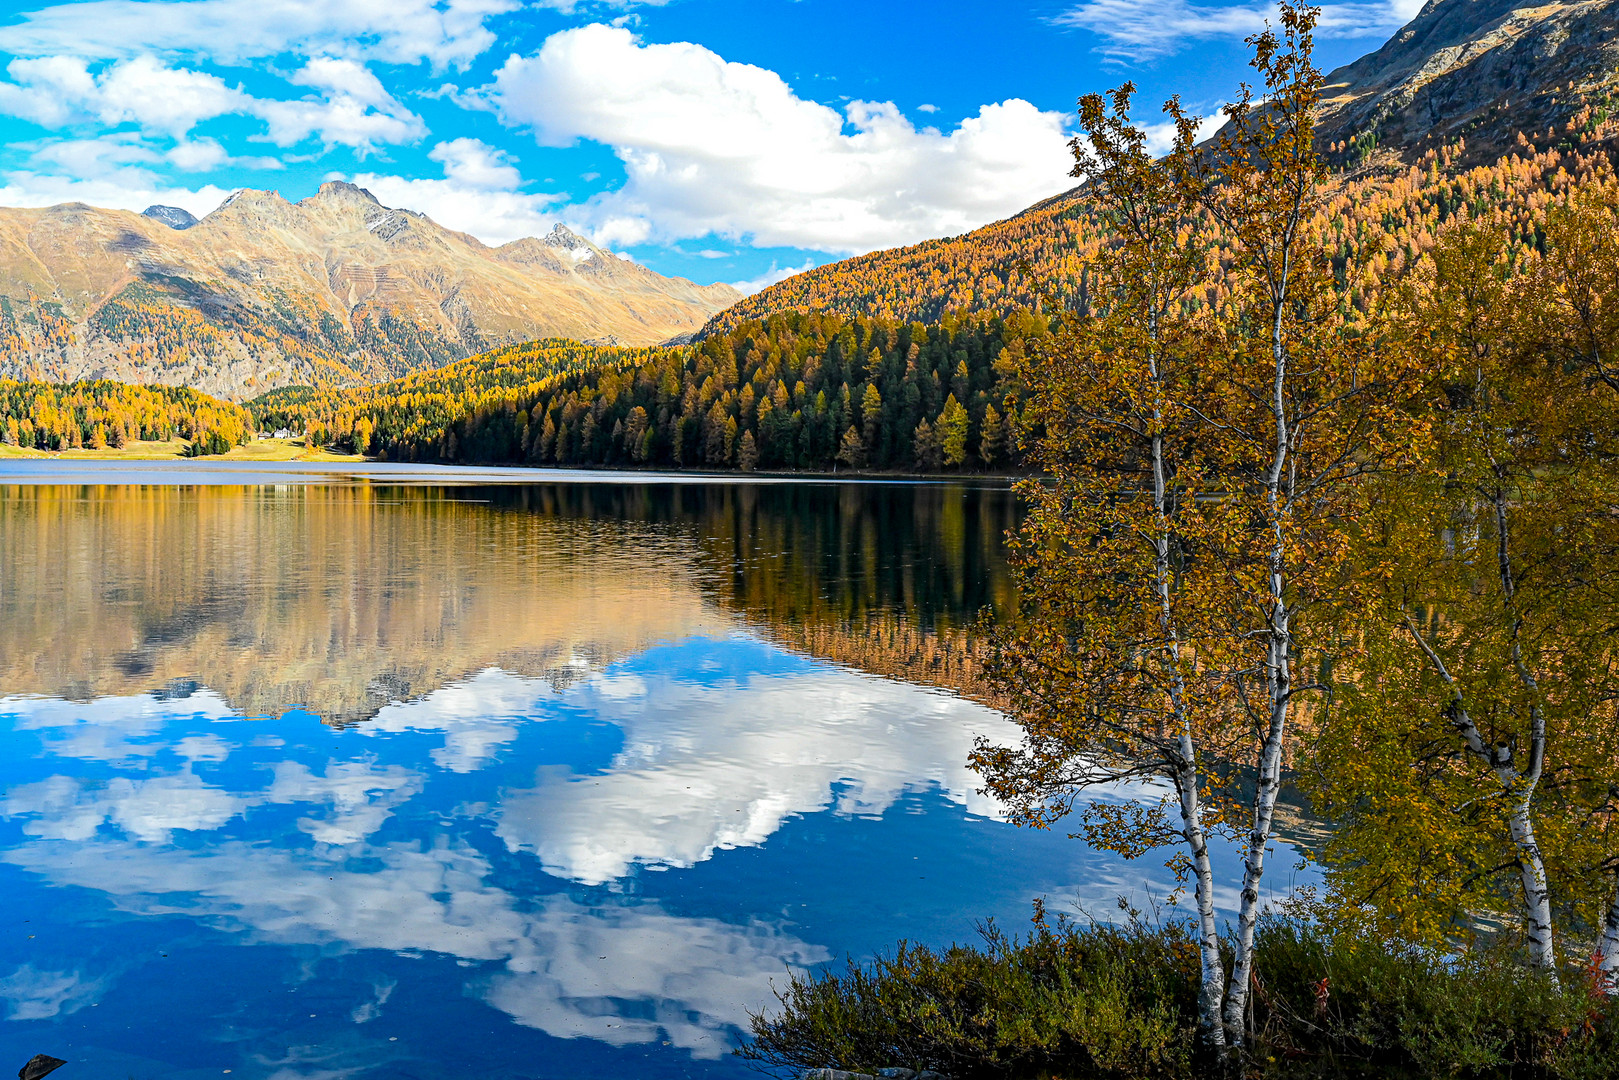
(403, 772)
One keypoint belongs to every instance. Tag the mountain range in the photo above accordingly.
(338, 290)
(332, 289)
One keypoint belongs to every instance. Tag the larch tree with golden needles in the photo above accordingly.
(1190, 537)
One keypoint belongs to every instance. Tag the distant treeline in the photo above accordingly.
(795, 391)
(102, 413)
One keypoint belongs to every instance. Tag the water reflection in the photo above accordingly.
(786, 738)
(337, 598)
(366, 781)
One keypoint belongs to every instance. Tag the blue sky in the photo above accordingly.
(723, 140)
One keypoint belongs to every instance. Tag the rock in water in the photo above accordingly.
(38, 1066)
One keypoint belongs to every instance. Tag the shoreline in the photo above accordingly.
(221, 470)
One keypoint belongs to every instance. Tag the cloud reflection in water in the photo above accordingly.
(717, 765)
(174, 808)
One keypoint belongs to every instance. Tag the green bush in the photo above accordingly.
(1093, 1001)
(1118, 1001)
(1352, 1000)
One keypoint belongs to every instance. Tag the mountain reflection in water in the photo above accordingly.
(320, 781)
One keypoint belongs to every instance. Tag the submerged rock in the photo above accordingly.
(38, 1066)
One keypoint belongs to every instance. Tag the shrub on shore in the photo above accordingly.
(1100, 1000)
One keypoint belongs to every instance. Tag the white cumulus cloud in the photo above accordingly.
(130, 189)
(625, 974)
(361, 797)
(770, 277)
(714, 147)
(476, 164)
(352, 109)
(162, 98)
(34, 994)
(50, 91)
(60, 90)
(678, 792)
(63, 808)
(479, 194)
(478, 716)
(445, 33)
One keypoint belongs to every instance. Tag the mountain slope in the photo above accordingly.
(1479, 70)
(1425, 124)
(333, 289)
(999, 268)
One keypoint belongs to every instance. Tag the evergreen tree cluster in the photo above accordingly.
(795, 391)
(413, 418)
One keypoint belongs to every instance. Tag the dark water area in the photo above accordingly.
(931, 554)
(372, 775)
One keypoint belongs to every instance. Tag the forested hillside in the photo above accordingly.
(1487, 105)
(797, 391)
(409, 418)
(61, 416)
(1378, 216)
(825, 383)
(888, 361)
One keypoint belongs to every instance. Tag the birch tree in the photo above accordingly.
(1108, 677)
(1195, 515)
(1570, 318)
(1311, 404)
(1481, 744)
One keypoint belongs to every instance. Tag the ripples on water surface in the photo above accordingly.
(385, 779)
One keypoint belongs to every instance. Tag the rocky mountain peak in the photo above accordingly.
(173, 216)
(342, 189)
(1482, 71)
(569, 243)
(335, 288)
(251, 197)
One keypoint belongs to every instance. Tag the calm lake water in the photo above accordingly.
(399, 773)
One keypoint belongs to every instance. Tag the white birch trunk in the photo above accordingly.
(1211, 985)
(1608, 946)
(1520, 786)
(1537, 902)
(1279, 486)
(1278, 679)
(1268, 786)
